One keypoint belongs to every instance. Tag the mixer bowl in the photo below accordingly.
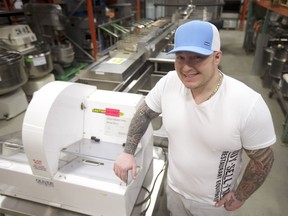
(39, 62)
(63, 54)
(12, 71)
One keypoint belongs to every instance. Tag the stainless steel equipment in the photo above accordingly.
(38, 63)
(277, 67)
(12, 77)
(44, 19)
(49, 22)
(63, 53)
(37, 55)
(284, 85)
(12, 72)
(128, 62)
(39, 67)
(278, 62)
(268, 54)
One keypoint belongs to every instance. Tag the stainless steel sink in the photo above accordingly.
(149, 83)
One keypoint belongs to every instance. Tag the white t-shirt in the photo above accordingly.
(206, 140)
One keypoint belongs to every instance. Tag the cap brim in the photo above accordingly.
(193, 49)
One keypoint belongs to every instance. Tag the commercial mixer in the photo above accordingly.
(37, 55)
(12, 76)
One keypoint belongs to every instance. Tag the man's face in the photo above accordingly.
(195, 70)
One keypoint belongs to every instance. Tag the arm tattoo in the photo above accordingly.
(257, 170)
(138, 127)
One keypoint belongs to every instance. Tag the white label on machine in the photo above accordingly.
(116, 60)
(41, 60)
(29, 39)
(116, 126)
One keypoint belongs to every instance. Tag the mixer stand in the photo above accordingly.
(35, 84)
(12, 104)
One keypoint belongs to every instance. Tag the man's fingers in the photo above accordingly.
(134, 171)
(123, 164)
(220, 202)
(122, 174)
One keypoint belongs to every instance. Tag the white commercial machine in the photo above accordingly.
(17, 37)
(71, 136)
(24, 65)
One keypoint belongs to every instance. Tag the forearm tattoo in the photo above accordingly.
(257, 170)
(138, 127)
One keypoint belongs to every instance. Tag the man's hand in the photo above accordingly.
(123, 164)
(230, 202)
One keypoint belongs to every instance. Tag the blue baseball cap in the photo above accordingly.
(196, 36)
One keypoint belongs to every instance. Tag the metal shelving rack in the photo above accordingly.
(275, 88)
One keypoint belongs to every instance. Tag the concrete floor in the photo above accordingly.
(272, 198)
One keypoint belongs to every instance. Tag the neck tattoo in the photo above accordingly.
(217, 86)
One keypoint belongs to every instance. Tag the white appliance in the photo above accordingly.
(71, 135)
(17, 37)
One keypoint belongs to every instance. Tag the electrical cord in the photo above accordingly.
(143, 213)
(145, 200)
(148, 198)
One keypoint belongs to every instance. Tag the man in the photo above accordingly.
(210, 119)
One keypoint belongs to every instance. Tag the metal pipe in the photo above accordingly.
(243, 14)
(108, 31)
(161, 60)
(76, 8)
(120, 28)
(116, 20)
(92, 27)
(138, 15)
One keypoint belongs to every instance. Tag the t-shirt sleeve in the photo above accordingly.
(258, 130)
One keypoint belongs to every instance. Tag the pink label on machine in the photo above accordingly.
(112, 112)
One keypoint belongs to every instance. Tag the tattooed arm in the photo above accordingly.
(137, 128)
(257, 170)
